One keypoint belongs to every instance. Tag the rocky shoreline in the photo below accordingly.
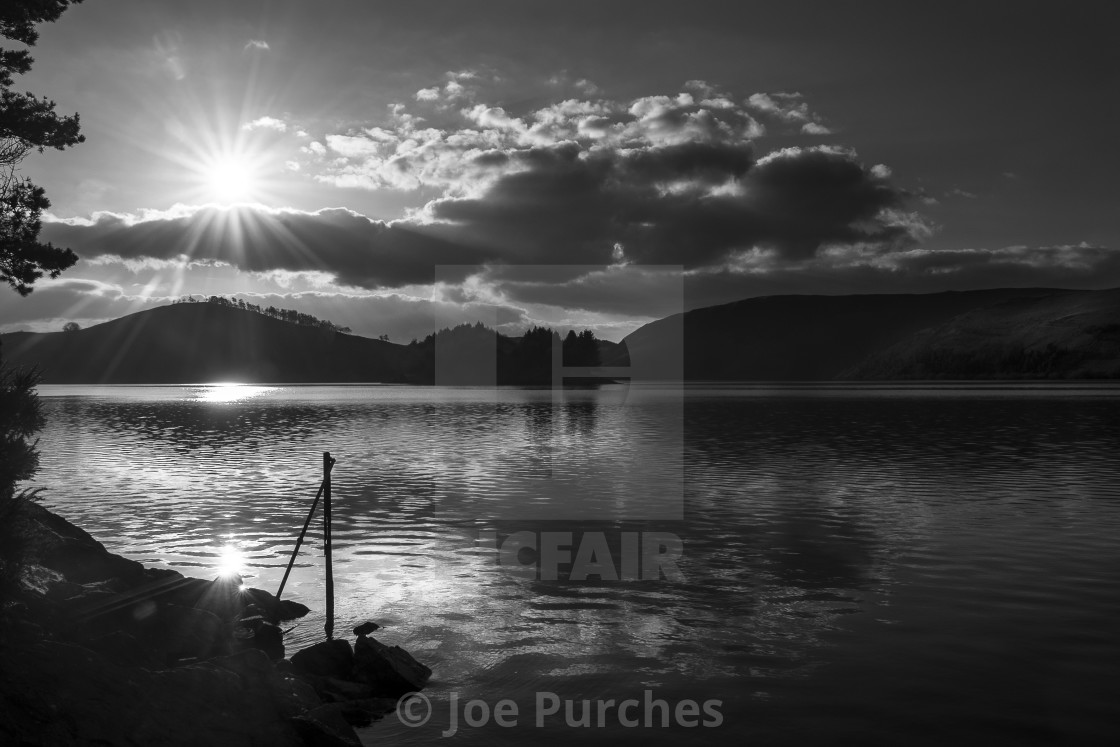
(96, 648)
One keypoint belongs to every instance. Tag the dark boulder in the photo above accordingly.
(188, 632)
(366, 628)
(335, 690)
(60, 694)
(367, 710)
(390, 670)
(326, 726)
(273, 609)
(333, 658)
(289, 610)
(57, 544)
(267, 638)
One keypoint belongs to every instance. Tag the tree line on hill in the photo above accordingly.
(464, 350)
(464, 353)
(286, 315)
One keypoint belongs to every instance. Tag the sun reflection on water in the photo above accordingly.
(231, 562)
(224, 392)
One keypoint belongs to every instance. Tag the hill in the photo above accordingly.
(818, 338)
(989, 334)
(218, 341)
(201, 342)
(1063, 335)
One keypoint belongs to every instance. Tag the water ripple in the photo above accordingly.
(848, 551)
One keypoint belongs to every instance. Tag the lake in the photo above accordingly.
(857, 564)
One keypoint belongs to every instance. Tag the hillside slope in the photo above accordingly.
(186, 343)
(817, 338)
(1064, 335)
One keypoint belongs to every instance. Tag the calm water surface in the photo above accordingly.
(898, 565)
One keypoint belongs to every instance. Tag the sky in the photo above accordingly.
(394, 166)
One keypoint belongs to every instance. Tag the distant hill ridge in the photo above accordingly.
(1007, 333)
(1003, 333)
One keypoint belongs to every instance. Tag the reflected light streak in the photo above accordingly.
(224, 392)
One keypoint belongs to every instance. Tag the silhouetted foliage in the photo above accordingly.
(21, 418)
(581, 349)
(526, 360)
(286, 315)
(71, 327)
(27, 123)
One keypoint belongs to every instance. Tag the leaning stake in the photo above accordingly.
(299, 541)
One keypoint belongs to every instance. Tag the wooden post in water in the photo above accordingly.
(328, 462)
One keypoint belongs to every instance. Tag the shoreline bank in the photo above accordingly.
(97, 648)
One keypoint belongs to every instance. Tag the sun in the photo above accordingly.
(231, 178)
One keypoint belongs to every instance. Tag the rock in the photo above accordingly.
(337, 690)
(363, 712)
(163, 633)
(289, 610)
(223, 597)
(390, 670)
(61, 694)
(98, 649)
(110, 585)
(185, 632)
(122, 648)
(293, 695)
(54, 542)
(366, 628)
(177, 589)
(269, 639)
(273, 609)
(38, 579)
(325, 726)
(249, 664)
(333, 658)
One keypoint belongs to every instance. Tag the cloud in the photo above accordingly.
(269, 123)
(355, 250)
(644, 291)
(788, 108)
(256, 44)
(82, 300)
(459, 87)
(401, 316)
(314, 148)
(691, 204)
(167, 56)
(460, 150)
(661, 179)
(1065, 260)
